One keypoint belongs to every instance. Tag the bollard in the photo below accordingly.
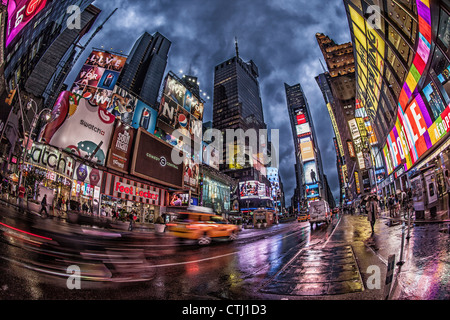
(400, 261)
(409, 223)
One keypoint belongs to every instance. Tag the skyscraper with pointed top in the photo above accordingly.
(237, 99)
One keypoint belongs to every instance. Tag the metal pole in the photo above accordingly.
(408, 212)
(401, 262)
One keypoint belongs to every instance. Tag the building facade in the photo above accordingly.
(309, 169)
(402, 54)
(145, 67)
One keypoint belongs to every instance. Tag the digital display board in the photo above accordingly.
(97, 80)
(20, 13)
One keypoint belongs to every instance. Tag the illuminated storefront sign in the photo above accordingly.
(125, 189)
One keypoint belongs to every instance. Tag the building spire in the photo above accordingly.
(237, 47)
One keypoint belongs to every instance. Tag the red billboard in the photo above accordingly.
(20, 13)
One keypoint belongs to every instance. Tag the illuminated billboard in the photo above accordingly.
(20, 13)
(307, 151)
(180, 109)
(152, 160)
(97, 79)
(79, 127)
(370, 49)
(311, 174)
(249, 189)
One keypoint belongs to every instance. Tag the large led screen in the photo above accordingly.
(20, 13)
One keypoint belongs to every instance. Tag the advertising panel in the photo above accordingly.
(303, 129)
(179, 105)
(310, 169)
(354, 129)
(106, 60)
(98, 77)
(88, 175)
(351, 149)
(178, 199)
(119, 156)
(358, 185)
(191, 172)
(144, 117)
(370, 48)
(216, 195)
(152, 160)
(210, 156)
(168, 111)
(312, 192)
(175, 90)
(249, 189)
(198, 110)
(20, 13)
(122, 104)
(183, 121)
(307, 151)
(79, 127)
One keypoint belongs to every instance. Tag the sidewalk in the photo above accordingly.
(352, 264)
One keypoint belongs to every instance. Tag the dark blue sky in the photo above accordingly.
(279, 36)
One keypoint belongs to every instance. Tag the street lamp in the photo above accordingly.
(36, 117)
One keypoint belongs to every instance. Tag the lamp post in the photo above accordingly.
(36, 117)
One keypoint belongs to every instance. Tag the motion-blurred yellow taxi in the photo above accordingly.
(202, 227)
(303, 217)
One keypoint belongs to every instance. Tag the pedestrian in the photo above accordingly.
(103, 212)
(131, 217)
(21, 197)
(59, 206)
(44, 205)
(372, 212)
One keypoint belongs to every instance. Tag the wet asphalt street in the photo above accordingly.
(124, 265)
(288, 261)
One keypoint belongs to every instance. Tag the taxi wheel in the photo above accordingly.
(204, 240)
(233, 236)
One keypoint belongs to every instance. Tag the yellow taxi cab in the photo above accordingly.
(202, 227)
(303, 217)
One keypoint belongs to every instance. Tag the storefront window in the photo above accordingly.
(216, 195)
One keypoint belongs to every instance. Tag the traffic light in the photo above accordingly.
(11, 96)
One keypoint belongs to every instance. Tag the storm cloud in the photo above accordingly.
(279, 36)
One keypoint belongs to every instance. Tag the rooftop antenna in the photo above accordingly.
(323, 68)
(237, 47)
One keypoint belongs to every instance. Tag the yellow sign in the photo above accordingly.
(370, 48)
(336, 130)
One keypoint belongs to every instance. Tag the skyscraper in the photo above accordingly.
(145, 67)
(237, 100)
(308, 167)
(237, 105)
